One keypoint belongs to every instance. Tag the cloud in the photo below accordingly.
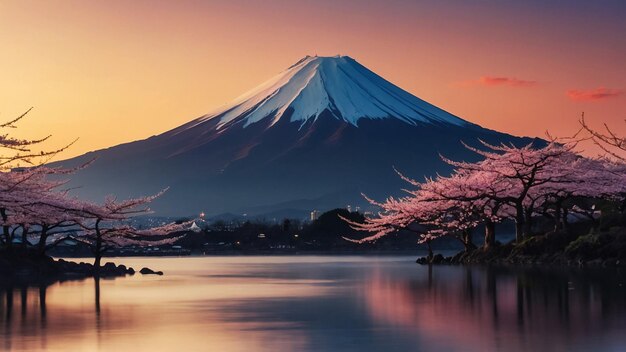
(494, 81)
(505, 81)
(593, 94)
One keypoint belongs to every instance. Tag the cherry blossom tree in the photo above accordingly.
(25, 198)
(511, 182)
(613, 145)
(517, 171)
(101, 226)
(21, 187)
(107, 227)
(34, 202)
(421, 212)
(477, 195)
(608, 140)
(408, 213)
(593, 178)
(22, 150)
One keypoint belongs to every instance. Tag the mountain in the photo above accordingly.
(314, 137)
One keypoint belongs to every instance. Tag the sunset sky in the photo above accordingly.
(109, 72)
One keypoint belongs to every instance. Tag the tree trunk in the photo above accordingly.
(528, 222)
(430, 251)
(6, 229)
(43, 237)
(24, 239)
(558, 225)
(96, 263)
(519, 224)
(468, 241)
(98, 250)
(565, 224)
(490, 234)
(9, 238)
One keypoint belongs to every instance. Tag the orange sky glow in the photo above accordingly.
(110, 72)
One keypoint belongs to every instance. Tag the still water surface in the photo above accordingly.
(320, 303)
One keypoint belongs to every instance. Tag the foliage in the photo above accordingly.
(35, 204)
(551, 181)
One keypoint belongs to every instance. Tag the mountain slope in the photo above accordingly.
(315, 136)
(339, 84)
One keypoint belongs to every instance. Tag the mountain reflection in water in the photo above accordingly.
(301, 303)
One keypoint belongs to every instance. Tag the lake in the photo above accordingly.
(320, 303)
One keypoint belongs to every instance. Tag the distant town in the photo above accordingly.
(321, 232)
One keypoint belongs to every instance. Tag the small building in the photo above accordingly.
(195, 228)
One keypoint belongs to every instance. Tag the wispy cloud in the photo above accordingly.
(494, 81)
(600, 93)
(506, 81)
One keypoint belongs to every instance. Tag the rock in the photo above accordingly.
(422, 261)
(145, 271)
(109, 267)
(31, 268)
(148, 271)
(130, 271)
(85, 266)
(437, 259)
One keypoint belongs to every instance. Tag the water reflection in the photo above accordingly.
(21, 308)
(483, 309)
(320, 303)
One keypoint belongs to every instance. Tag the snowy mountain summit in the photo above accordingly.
(315, 136)
(337, 84)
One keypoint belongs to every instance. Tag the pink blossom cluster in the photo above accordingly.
(509, 182)
(35, 203)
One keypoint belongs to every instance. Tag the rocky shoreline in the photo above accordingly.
(604, 249)
(31, 269)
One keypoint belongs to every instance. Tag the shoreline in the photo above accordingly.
(26, 268)
(602, 249)
(416, 252)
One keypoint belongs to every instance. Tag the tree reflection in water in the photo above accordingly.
(366, 304)
(29, 298)
(33, 312)
(486, 308)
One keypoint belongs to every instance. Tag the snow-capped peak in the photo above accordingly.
(339, 84)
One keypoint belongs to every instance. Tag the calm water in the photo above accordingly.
(306, 303)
